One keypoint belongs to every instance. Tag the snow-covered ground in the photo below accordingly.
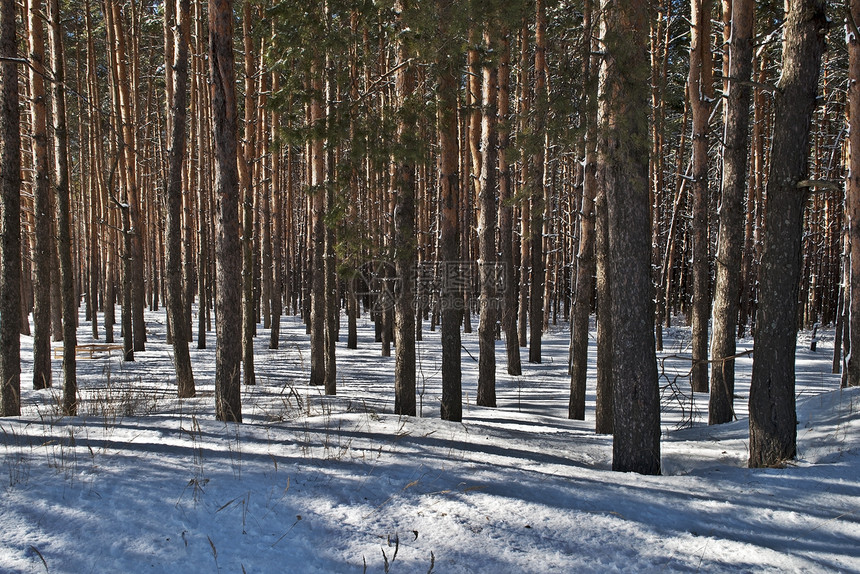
(144, 482)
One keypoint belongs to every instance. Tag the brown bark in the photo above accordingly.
(277, 229)
(176, 115)
(128, 123)
(317, 232)
(538, 192)
(404, 234)
(852, 198)
(228, 346)
(506, 248)
(701, 93)
(585, 260)
(525, 210)
(731, 232)
(43, 206)
(245, 160)
(64, 209)
(623, 172)
(773, 418)
(487, 230)
(604, 410)
(204, 257)
(449, 182)
(332, 306)
(10, 202)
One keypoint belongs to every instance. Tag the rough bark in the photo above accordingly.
(538, 190)
(228, 326)
(506, 209)
(62, 189)
(317, 231)
(176, 154)
(405, 255)
(852, 200)
(10, 202)
(773, 418)
(277, 230)
(486, 394)
(731, 213)
(43, 241)
(449, 182)
(585, 263)
(604, 411)
(133, 256)
(623, 172)
(701, 93)
(245, 159)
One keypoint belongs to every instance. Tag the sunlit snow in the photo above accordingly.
(144, 482)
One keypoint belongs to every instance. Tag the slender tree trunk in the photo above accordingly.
(245, 160)
(96, 157)
(43, 235)
(204, 258)
(731, 232)
(332, 300)
(487, 228)
(623, 172)
(773, 418)
(538, 190)
(506, 212)
(701, 92)
(10, 202)
(405, 255)
(852, 198)
(228, 346)
(128, 123)
(277, 228)
(176, 114)
(585, 260)
(449, 182)
(317, 239)
(64, 210)
(604, 409)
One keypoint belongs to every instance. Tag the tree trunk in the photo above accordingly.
(404, 233)
(96, 156)
(204, 257)
(701, 92)
(43, 237)
(773, 418)
(731, 213)
(585, 267)
(245, 159)
(852, 199)
(487, 230)
(317, 239)
(64, 210)
(10, 202)
(228, 326)
(449, 182)
(506, 209)
(176, 114)
(538, 191)
(623, 172)
(604, 411)
(277, 228)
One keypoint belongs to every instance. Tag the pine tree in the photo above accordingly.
(623, 173)
(10, 202)
(228, 326)
(773, 418)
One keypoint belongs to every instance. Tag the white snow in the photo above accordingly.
(144, 482)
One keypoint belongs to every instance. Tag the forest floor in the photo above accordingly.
(144, 482)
